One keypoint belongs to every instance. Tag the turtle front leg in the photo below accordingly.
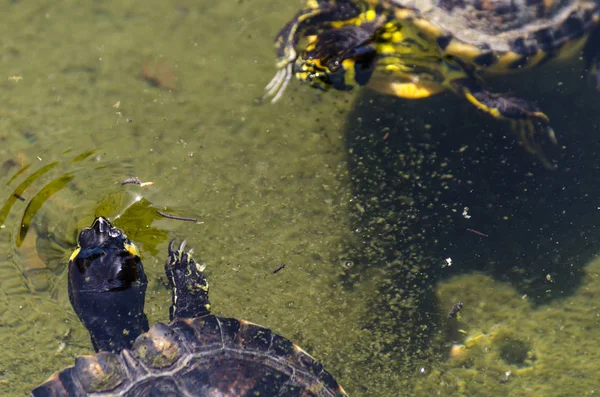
(316, 17)
(189, 288)
(526, 119)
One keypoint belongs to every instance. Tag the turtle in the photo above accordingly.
(416, 48)
(196, 354)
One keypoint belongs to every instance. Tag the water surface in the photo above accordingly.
(171, 92)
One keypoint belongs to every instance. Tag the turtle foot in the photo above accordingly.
(189, 288)
(528, 130)
(527, 120)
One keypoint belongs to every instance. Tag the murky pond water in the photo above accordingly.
(362, 197)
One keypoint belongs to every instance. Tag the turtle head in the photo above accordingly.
(338, 58)
(107, 286)
(105, 260)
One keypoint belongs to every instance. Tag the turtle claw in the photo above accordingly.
(176, 252)
(280, 81)
(528, 130)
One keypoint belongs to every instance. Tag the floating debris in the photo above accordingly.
(455, 309)
(465, 213)
(135, 181)
(281, 267)
(477, 232)
(177, 218)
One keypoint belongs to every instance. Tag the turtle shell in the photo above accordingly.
(205, 356)
(504, 34)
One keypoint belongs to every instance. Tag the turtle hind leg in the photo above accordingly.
(189, 288)
(526, 119)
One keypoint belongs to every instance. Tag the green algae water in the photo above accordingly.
(170, 92)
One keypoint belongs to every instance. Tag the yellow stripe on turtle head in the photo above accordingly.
(132, 249)
(74, 254)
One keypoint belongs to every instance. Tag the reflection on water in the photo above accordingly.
(38, 200)
(17, 193)
(43, 249)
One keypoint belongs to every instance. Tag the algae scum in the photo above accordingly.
(93, 94)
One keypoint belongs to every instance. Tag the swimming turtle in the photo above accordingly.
(196, 354)
(417, 48)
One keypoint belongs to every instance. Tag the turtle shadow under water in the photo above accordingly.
(433, 182)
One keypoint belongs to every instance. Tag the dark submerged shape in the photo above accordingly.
(417, 48)
(197, 354)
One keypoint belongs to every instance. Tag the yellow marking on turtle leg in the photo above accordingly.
(541, 115)
(492, 111)
(526, 128)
